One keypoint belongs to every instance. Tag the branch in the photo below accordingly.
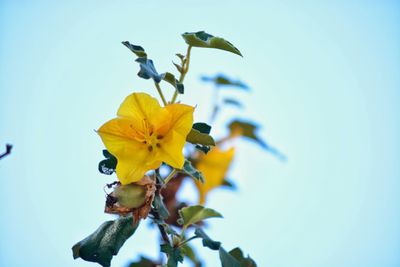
(8, 151)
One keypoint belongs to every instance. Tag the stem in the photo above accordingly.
(170, 176)
(185, 69)
(8, 151)
(187, 240)
(161, 93)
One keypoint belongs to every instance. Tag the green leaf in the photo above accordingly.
(170, 78)
(202, 127)
(223, 81)
(159, 205)
(189, 253)
(108, 165)
(207, 241)
(192, 171)
(105, 242)
(203, 39)
(194, 214)
(143, 262)
(244, 262)
(227, 260)
(233, 102)
(196, 137)
(174, 255)
(147, 70)
(138, 50)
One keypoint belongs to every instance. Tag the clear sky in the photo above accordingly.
(325, 86)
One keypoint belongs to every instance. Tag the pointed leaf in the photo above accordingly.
(227, 260)
(221, 80)
(196, 137)
(233, 102)
(159, 205)
(105, 242)
(138, 50)
(192, 171)
(203, 39)
(174, 255)
(194, 214)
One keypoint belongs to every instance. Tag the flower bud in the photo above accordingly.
(131, 195)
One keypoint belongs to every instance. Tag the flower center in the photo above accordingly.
(148, 136)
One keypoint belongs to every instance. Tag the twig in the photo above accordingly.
(8, 151)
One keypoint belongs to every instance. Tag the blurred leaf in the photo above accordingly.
(233, 102)
(204, 149)
(203, 39)
(108, 165)
(138, 50)
(159, 205)
(192, 171)
(221, 80)
(196, 137)
(189, 253)
(207, 241)
(170, 78)
(174, 255)
(248, 129)
(194, 214)
(229, 184)
(244, 262)
(105, 242)
(202, 127)
(227, 260)
(147, 70)
(143, 262)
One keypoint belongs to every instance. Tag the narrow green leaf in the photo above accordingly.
(223, 81)
(202, 127)
(105, 242)
(138, 50)
(203, 39)
(194, 214)
(192, 171)
(207, 241)
(249, 129)
(196, 137)
(233, 102)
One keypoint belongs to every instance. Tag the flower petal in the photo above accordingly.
(141, 106)
(180, 123)
(214, 166)
(134, 160)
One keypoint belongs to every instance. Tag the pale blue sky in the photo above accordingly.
(325, 86)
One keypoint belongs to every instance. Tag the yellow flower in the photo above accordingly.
(214, 166)
(145, 134)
